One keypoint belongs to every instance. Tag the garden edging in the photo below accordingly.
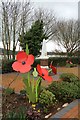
(65, 110)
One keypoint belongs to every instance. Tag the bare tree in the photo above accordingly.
(15, 22)
(15, 18)
(25, 18)
(67, 35)
(5, 30)
(49, 21)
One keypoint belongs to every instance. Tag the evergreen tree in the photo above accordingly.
(33, 38)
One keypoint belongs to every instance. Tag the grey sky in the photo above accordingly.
(61, 9)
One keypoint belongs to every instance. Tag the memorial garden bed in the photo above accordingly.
(17, 106)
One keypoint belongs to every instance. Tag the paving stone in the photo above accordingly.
(65, 110)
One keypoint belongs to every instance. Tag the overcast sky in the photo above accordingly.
(63, 9)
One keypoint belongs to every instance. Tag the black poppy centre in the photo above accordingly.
(23, 63)
(42, 74)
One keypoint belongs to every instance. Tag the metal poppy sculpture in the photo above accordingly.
(54, 70)
(44, 73)
(23, 63)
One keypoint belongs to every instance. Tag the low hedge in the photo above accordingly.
(61, 61)
(7, 66)
(69, 77)
(65, 91)
(71, 65)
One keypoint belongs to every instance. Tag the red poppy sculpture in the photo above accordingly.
(43, 73)
(23, 63)
(54, 70)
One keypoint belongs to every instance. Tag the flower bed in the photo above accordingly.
(17, 106)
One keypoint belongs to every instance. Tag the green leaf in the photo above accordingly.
(30, 90)
(32, 84)
(25, 82)
(27, 50)
(38, 87)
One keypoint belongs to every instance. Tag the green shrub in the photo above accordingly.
(19, 115)
(65, 91)
(57, 61)
(7, 66)
(23, 92)
(69, 77)
(70, 65)
(9, 91)
(61, 61)
(46, 98)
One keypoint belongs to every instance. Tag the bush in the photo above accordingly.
(61, 61)
(69, 77)
(46, 98)
(9, 91)
(57, 61)
(65, 91)
(70, 65)
(17, 115)
(7, 66)
(23, 92)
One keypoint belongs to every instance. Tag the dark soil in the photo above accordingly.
(17, 103)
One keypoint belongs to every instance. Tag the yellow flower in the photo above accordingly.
(39, 110)
(33, 105)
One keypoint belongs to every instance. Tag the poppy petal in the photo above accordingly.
(47, 78)
(25, 68)
(16, 66)
(30, 60)
(54, 70)
(44, 71)
(39, 69)
(21, 56)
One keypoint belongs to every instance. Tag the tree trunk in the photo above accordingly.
(3, 41)
(14, 47)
